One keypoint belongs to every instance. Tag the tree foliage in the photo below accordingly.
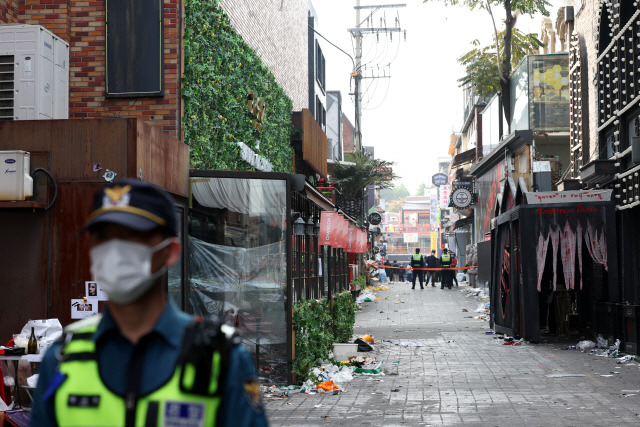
(482, 72)
(504, 57)
(394, 193)
(359, 170)
(220, 73)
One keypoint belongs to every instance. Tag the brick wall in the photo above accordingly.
(586, 24)
(348, 136)
(8, 11)
(82, 25)
(278, 33)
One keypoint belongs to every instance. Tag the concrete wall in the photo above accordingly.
(278, 32)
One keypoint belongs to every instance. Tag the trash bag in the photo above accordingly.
(602, 342)
(363, 345)
(585, 345)
(327, 385)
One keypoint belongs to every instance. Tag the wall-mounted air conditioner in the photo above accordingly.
(34, 73)
(16, 182)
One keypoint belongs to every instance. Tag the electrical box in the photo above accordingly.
(16, 182)
(34, 74)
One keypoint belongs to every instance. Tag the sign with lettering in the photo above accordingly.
(568, 196)
(328, 224)
(439, 179)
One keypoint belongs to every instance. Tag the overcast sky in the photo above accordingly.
(409, 117)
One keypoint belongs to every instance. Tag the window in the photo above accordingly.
(134, 48)
(320, 67)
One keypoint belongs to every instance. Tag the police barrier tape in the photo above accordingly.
(425, 268)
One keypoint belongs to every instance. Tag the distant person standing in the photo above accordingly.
(402, 273)
(432, 262)
(395, 271)
(454, 263)
(417, 262)
(445, 275)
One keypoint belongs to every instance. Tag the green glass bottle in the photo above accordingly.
(32, 346)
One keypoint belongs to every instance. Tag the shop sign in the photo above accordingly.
(444, 196)
(328, 224)
(375, 218)
(461, 198)
(439, 179)
(254, 159)
(410, 237)
(434, 241)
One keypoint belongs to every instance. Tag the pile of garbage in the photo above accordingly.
(476, 292)
(601, 348)
(366, 296)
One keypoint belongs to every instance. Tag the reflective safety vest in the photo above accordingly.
(416, 260)
(445, 260)
(83, 400)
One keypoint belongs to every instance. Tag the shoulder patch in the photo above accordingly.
(253, 394)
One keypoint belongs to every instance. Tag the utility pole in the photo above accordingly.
(357, 32)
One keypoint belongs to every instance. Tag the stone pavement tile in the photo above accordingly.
(462, 376)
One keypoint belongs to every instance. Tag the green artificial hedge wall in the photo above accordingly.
(220, 73)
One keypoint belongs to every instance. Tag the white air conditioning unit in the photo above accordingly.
(34, 74)
(15, 181)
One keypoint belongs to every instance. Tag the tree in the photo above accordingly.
(353, 178)
(504, 55)
(396, 205)
(482, 72)
(421, 189)
(395, 193)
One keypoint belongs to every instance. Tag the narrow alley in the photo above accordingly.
(464, 374)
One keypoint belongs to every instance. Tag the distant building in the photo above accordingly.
(348, 135)
(334, 125)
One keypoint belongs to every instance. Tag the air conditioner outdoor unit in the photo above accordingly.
(34, 74)
(15, 181)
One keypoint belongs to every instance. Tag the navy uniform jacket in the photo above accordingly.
(417, 263)
(160, 349)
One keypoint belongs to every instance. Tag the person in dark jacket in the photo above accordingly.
(432, 262)
(417, 262)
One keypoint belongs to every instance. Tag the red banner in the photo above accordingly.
(352, 235)
(328, 226)
(361, 247)
(341, 232)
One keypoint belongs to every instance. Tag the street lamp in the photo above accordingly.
(309, 227)
(299, 226)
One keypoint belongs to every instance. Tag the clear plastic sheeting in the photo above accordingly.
(237, 264)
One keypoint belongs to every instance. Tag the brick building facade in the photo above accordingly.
(279, 36)
(82, 25)
(348, 135)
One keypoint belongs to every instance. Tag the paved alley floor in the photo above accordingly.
(461, 376)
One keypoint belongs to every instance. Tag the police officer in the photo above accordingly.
(445, 262)
(143, 362)
(417, 262)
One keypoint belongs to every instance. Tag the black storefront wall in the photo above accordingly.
(515, 298)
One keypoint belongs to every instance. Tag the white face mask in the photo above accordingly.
(123, 268)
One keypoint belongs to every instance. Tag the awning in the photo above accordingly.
(464, 157)
(316, 197)
(463, 222)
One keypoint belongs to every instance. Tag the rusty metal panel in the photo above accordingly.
(23, 264)
(314, 141)
(157, 153)
(43, 256)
